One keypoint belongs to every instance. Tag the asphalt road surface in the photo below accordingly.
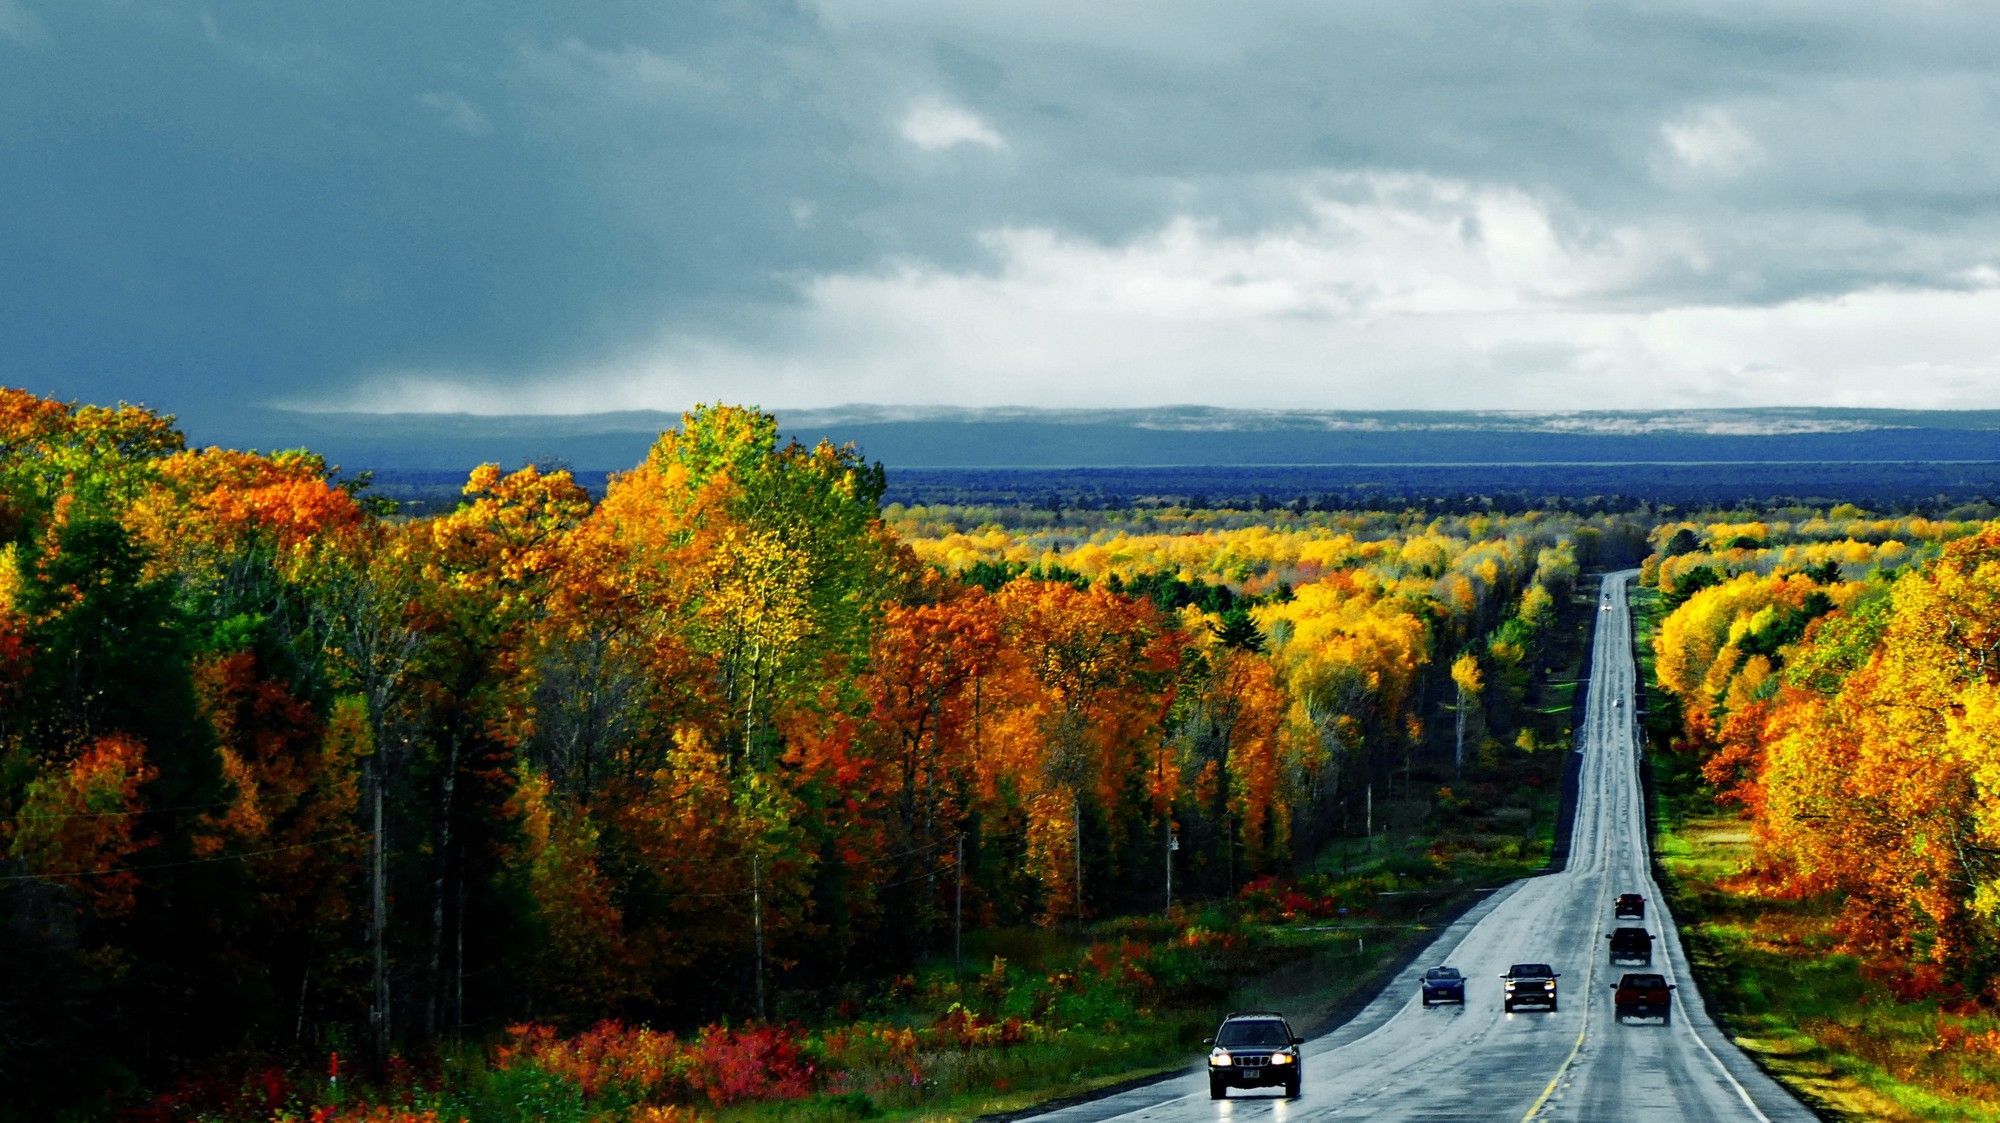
(1397, 1060)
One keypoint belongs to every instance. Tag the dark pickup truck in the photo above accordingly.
(1643, 996)
(1529, 984)
(1631, 945)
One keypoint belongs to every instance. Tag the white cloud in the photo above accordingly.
(628, 71)
(1391, 292)
(1711, 143)
(932, 124)
(457, 112)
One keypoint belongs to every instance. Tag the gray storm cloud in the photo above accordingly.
(1031, 202)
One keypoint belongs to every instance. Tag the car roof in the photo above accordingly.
(1442, 973)
(1634, 979)
(1254, 1015)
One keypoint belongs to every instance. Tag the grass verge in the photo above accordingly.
(1820, 1021)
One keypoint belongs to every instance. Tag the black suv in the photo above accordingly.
(1253, 1049)
(1629, 906)
(1631, 945)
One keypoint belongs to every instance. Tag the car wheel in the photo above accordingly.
(1292, 1087)
(1553, 1007)
(1507, 1006)
(1217, 1089)
(1666, 1017)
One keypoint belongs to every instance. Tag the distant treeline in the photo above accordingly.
(1910, 487)
(1915, 487)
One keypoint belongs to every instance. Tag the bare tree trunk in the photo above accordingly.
(1076, 847)
(458, 959)
(441, 868)
(305, 984)
(1458, 753)
(378, 1017)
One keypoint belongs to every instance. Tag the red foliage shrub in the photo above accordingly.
(724, 1065)
(756, 1062)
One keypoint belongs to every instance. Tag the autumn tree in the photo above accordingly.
(1104, 662)
(1471, 682)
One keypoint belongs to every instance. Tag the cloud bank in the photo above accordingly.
(1424, 205)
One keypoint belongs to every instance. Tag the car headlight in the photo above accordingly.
(1219, 1058)
(1282, 1058)
(1510, 984)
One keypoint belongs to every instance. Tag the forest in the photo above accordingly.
(1828, 693)
(285, 774)
(1835, 679)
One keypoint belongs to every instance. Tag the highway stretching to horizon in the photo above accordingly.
(1398, 1061)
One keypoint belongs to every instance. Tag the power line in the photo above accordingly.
(118, 814)
(244, 856)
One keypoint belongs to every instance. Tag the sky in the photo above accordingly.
(511, 206)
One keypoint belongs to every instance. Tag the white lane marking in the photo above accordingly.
(1742, 1093)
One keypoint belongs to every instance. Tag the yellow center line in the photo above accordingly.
(1564, 1067)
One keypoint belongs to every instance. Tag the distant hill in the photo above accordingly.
(943, 437)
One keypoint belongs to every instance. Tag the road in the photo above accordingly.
(1399, 1061)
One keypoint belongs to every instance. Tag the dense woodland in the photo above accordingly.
(1835, 677)
(282, 772)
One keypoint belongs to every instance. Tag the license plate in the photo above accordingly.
(1253, 1073)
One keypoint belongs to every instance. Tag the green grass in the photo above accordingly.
(1772, 970)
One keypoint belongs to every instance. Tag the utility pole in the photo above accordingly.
(1173, 844)
(757, 922)
(378, 918)
(958, 910)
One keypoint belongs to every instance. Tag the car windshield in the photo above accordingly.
(1441, 973)
(1647, 981)
(1530, 970)
(1262, 1031)
(1628, 898)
